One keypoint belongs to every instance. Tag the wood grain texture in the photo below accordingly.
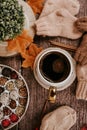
(38, 95)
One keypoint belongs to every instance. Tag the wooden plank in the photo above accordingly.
(14, 61)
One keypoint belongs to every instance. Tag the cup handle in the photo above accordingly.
(52, 94)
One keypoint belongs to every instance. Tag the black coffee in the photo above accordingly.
(54, 67)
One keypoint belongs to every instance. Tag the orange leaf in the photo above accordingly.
(28, 62)
(26, 36)
(36, 5)
(20, 43)
(34, 50)
(28, 50)
(30, 55)
(12, 45)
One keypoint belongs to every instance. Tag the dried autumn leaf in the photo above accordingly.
(20, 43)
(12, 45)
(34, 50)
(28, 62)
(28, 50)
(30, 55)
(36, 5)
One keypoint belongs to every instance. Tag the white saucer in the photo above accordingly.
(29, 22)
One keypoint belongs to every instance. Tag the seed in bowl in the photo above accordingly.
(23, 91)
(5, 123)
(14, 75)
(14, 118)
(23, 101)
(10, 86)
(3, 80)
(20, 110)
(14, 94)
(4, 98)
(19, 83)
(6, 72)
(6, 111)
(12, 104)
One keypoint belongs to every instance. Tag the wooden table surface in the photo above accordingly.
(38, 95)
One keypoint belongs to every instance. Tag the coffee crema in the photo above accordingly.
(54, 67)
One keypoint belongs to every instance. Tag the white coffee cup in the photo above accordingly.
(46, 83)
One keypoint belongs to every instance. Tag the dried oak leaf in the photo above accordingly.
(36, 5)
(34, 50)
(20, 43)
(30, 55)
(28, 50)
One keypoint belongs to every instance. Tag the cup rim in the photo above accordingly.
(54, 49)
